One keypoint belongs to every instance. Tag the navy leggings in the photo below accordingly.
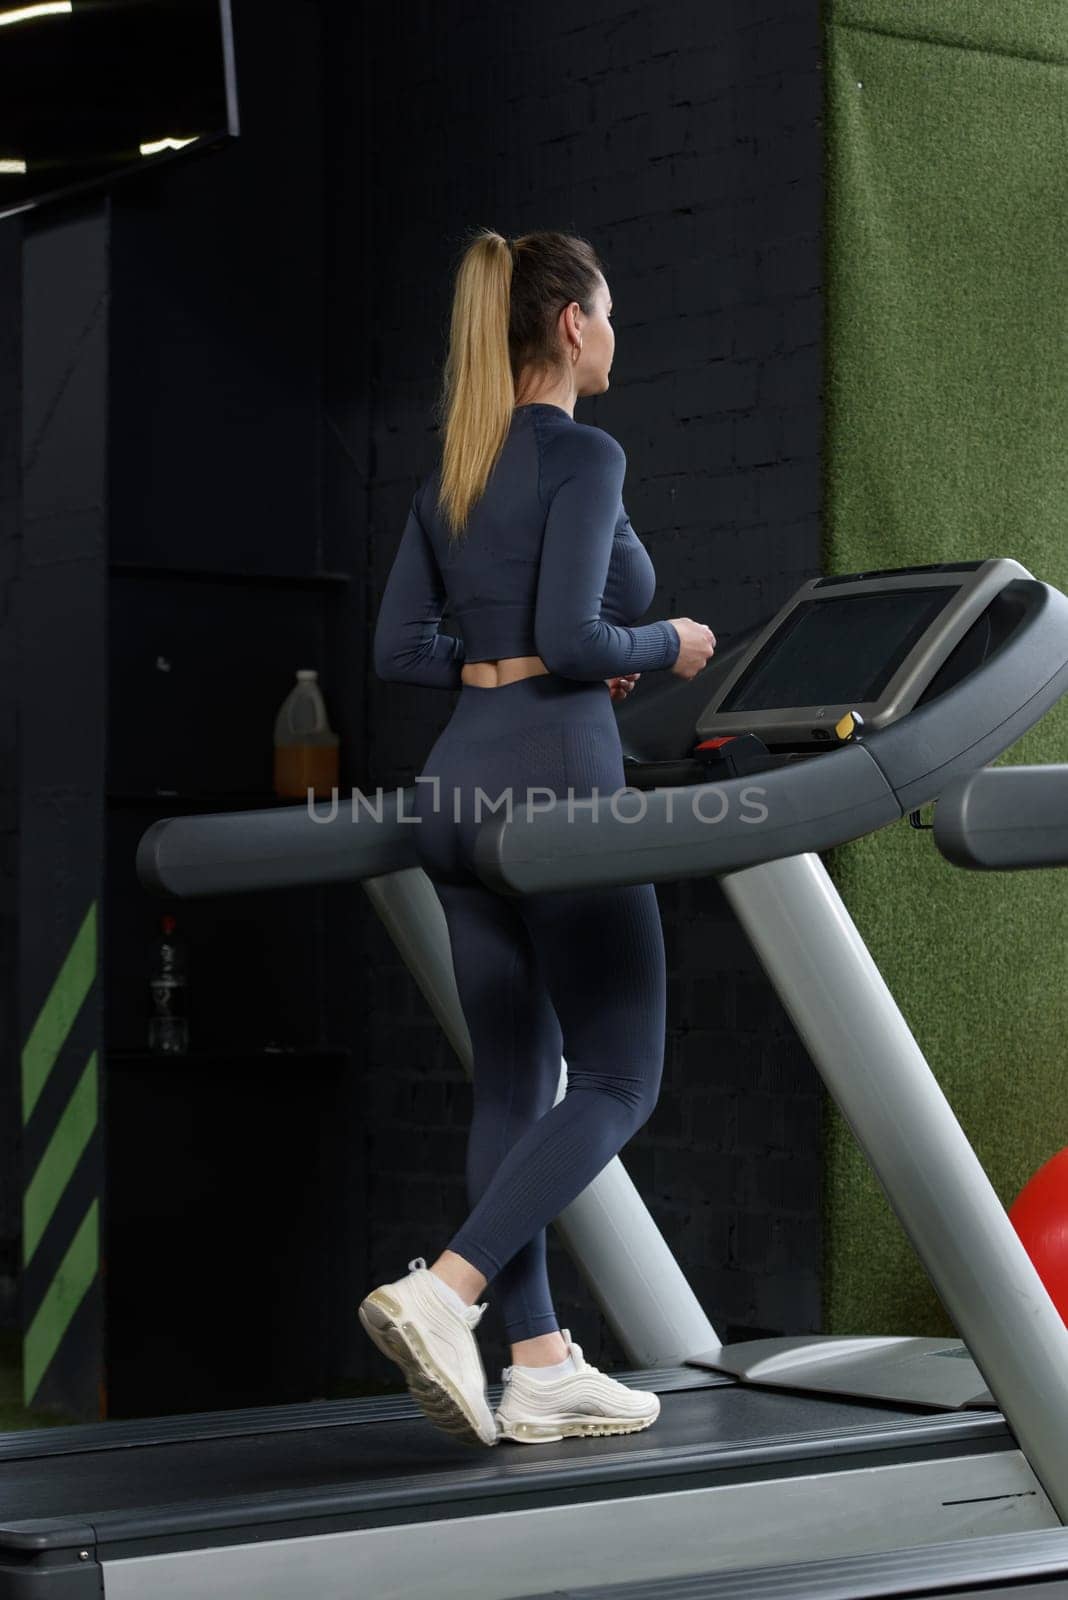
(579, 974)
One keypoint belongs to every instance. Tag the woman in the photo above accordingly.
(522, 527)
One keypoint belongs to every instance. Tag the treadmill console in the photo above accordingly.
(845, 657)
(865, 645)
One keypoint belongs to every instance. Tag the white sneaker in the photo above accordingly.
(584, 1402)
(435, 1347)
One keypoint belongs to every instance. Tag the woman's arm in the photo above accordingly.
(408, 644)
(586, 474)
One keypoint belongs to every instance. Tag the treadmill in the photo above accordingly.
(999, 819)
(772, 1462)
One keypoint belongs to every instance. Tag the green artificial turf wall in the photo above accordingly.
(947, 439)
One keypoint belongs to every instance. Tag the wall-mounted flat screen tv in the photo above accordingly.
(95, 90)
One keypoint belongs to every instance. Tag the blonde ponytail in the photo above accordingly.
(506, 305)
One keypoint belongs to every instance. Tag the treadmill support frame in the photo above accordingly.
(867, 1056)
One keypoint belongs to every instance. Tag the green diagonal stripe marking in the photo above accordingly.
(56, 1017)
(65, 1294)
(72, 1134)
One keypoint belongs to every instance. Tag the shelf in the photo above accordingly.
(128, 1057)
(221, 800)
(269, 580)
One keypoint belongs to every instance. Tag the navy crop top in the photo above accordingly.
(548, 565)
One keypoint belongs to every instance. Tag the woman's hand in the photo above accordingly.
(697, 645)
(619, 688)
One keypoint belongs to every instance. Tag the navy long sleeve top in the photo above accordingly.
(549, 565)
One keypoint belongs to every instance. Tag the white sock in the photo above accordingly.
(448, 1293)
(547, 1374)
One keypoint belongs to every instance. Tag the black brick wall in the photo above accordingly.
(685, 141)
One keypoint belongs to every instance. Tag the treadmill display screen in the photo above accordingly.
(837, 651)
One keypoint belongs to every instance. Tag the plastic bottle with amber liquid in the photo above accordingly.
(305, 749)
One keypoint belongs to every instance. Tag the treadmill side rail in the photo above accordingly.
(638, 836)
(1002, 819)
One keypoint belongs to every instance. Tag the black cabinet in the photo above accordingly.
(227, 1239)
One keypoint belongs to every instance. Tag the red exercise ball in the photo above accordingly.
(1040, 1216)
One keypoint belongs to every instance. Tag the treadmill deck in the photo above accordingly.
(139, 1486)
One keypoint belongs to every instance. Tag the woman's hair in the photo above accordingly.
(507, 299)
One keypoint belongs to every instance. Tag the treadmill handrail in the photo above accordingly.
(813, 804)
(280, 847)
(639, 836)
(1005, 819)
